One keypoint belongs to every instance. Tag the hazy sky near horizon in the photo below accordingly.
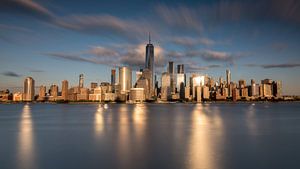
(53, 40)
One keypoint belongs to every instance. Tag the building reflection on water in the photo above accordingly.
(99, 120)
(251, 122)
(139, 118)
(130, 143)
(26, 152)
(203, 145)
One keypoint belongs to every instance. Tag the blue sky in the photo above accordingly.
(53, 40)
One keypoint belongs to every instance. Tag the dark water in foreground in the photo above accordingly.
(167, 136)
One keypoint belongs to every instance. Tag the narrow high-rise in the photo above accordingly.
(180, 69)
(113, 77)
(81, 81)
(228, 77)
(125, 79)
(64, 89)
(149, 64)
(28, 89)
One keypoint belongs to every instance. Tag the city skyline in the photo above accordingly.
(54, 41)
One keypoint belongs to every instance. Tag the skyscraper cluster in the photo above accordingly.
(175, 85)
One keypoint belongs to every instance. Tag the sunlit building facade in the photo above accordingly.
(125, 79)
(28, 89)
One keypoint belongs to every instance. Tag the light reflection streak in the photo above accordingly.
(123, 142)
(250, 119)
(99, 120)
(139, 120)
(203, 145)
(26, 155)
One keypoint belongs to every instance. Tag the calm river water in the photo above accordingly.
(154, 136)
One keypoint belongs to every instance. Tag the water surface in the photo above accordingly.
(167, 136)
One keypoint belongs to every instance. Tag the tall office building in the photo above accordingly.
(42, 93)
(253, 88)
(266, 88)
(171, 67)
(125, 79)
(165, 86)
(54, 90)
(180, 77)
(172, 77)
(180, 69)
(113, 77)
(64, 89)
(196, 80)
(228, 77)
(277, 88)
(242, 83)
(81, 81)
(149, 64)
(28, 89)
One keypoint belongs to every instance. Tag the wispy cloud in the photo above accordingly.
(27, 8)
(106, 25)
(210, 55)
(262, 10)
(11, 74)
(189, 42)
(271, 66)
(103, 24)
(205, 55)
(192, 67)
(180, 17)
(279, 47)
(115, 55)
(36, 70)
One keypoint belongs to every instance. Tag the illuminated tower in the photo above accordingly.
(228, 77)
(149, 64)
(125, 79)
(28, 89)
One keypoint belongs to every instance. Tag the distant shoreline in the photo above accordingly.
(168, 102)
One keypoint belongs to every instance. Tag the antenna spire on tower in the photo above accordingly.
(149, 38)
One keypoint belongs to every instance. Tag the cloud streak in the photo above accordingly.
(192, 67)
(180, 17)
(11, 74)
(115, 55)
(271, 66)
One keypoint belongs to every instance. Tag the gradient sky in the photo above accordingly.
(53, 40)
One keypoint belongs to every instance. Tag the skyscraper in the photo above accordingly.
(125, 79)
(64, 89)
(165, 86)
(42, 93)
(171, 67)
(171, 73)
(113, 77)
(228, 77)
(54, 91)
(81, 81)
(253, 88)
(180, 77)
(180, 69)
(149, 64)
(28, 89)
